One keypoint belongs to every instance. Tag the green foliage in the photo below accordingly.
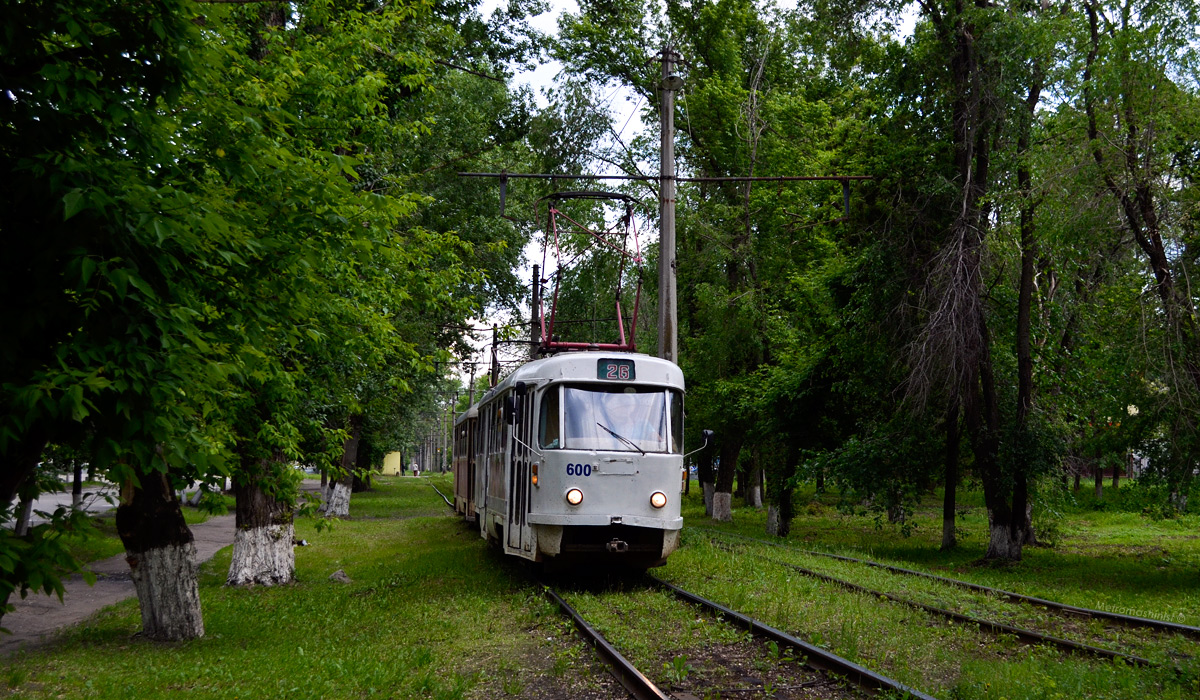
(216, 232)
(409, 624)
(37, 561)
(888, 467)
(677, 670)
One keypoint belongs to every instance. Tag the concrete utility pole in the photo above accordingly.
(495, 355)
(535, 315)
(668, 317)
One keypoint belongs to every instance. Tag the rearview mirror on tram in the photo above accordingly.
(707, 435)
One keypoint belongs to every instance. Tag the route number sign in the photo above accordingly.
(616, 370)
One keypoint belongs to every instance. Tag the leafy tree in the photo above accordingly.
(204, 253)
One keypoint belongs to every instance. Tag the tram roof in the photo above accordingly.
(582, 366)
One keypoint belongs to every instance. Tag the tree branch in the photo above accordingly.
(447, 64)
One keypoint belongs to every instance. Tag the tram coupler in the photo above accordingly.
(617, 546)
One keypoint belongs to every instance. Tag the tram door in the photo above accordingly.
(519, 534)
(470, 426)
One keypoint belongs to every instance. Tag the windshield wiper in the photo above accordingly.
(622, 438)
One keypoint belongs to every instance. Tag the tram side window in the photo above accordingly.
(676, 422)
(497, 427)
(548, 426)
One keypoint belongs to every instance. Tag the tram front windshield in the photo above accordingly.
(612, 418)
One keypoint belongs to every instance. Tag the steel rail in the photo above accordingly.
(1126, 620)
(625, 672)
(815, 656)
(447, 500)
(1025, 635)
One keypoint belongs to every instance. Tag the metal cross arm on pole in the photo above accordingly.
(656, 178)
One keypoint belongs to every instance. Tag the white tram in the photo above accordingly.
(577, 457)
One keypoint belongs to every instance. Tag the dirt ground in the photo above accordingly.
(39, 616)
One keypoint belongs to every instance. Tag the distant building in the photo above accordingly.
(391, 464)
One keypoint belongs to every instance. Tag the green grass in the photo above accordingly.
(430, 612)
(1113, 560)
(93, 546)
(416, 499)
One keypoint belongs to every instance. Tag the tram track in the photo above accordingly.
(834, 670)
(633, 680)
(991, 626)
(1025, 635)
(449, 504)
(1072, 611)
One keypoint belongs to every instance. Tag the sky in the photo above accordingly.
(623, 104)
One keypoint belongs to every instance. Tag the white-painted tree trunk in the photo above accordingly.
(24, 514)
(723, 507)
(167, 591)
(708, 498)
(754, 497)
(1001, 544)
(338, 503)
(263, 556)
(773, 520)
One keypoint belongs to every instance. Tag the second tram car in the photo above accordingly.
(576, 457)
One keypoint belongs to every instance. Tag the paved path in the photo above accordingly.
(37, 617)
(96, 499)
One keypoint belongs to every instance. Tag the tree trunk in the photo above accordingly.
(262, 545)
(337, 503)
(754, 492)
(1030, 533)
(76, 483)
(1002, 544)
(18, 463)
(162, 559)
(704, 471)
(786, 511)
(722, 510)
(955, 341)
(1098, 476)
(1077, 478)
(362, 468)
(24, 513)
(779, 492)
(773, 521)
(1022, 504)
(1006, 499)
(731, 448)
(953, 439)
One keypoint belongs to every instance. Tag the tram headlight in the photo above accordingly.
(658, 499)
(574, 497)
